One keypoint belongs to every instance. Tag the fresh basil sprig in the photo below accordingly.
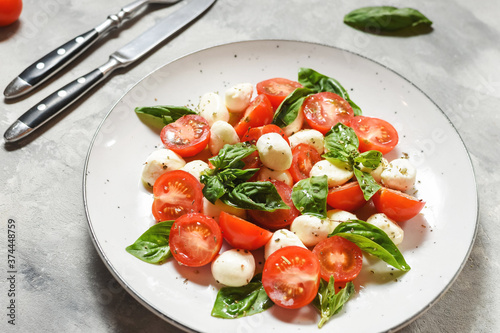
(309, 196)
(330, 303)
(166, 113)
(318, 82)
(255, 195)
(342, 145)
(237, 302)
(372, 240)
(386, 18)
(153, 245)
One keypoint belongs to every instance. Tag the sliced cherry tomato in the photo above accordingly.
(325, 109)
(280, 218)
(397, 205)
(374, 134)
(259, 113)
(339, 257)
(10, 10)
(252, 161)
(253, 134)
(291, 277)
(304, 158)
(242, 234)
(195, 239)
(187, 136)
(346, 197)
(277, 89)
(176, 193)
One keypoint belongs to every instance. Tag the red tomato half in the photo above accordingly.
(291, 277)
(176, 193)
(339, 257)
(259, 113)
(10, 10)
(242, 234)
(253, 134)
(280, 218)
(277, 89)
(397, 205)
(325, 109)
(187, 136)
(304, 158)
(346, 197)
(195, 239)
(374, 134)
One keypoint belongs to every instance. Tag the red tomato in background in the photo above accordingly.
(259, 113)
(291, 277)
(397, 205)
(195, 239)
(242, 234)
(346, 197)
(325, 109)
(280, 218)
(187, 136)
(253, 134)
(10, 10)
(374, 134)
(176, 193)
(277, 89)
(304, 158)
(339, 257)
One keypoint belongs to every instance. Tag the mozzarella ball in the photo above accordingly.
(311, 137)
(337, 216)
(221, 133)
(159, 162)
(390, 227)
(274, 151)
(195, 168)
(234, 268)
(310, 229)
(268, 174)
(295, 125)
(377, 173)
(337, 173)
(281, 238)
(214, 210)
(238, 98)
(212, 108)
(400, 175)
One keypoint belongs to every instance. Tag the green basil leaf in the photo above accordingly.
(230, 156)
(335, 156)
(309, 196)
(237, 302)
(255, 195)
(167, 113)
(317, 82)
(367, 183)
(343, 138)
(214, 188)
(372, 240)
(153, 245)
(328, 303)
(290, 107)
(386, 18)
(370, 159)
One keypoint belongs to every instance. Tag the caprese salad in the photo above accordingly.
(282, 166)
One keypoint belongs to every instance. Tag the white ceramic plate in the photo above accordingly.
(437, 243)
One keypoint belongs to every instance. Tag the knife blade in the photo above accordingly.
(53, 104)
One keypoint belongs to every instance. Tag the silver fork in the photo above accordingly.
(54, 61)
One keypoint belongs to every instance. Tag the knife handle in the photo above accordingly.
(52, 62)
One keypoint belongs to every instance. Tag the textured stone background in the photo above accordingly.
(63, 284)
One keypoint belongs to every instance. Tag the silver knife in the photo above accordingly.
(42, 69)
(131, 52)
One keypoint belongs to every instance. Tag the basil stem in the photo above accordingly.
(309, 196)
(237, 302)
(328, 303)
(153, 245)
(386, 18)
(372, 240)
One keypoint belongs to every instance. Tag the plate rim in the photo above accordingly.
(179, 325)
